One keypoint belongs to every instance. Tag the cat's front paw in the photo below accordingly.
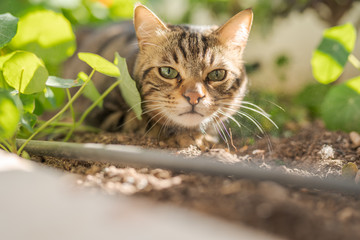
(185, 139)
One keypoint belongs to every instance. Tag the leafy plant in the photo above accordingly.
(340, 107)
(26, 87)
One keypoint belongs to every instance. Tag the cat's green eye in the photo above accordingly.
(217, 75)
(168, 72)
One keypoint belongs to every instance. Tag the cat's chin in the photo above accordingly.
(189, 120)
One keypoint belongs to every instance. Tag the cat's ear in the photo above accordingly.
(235, 32)
(147, 25)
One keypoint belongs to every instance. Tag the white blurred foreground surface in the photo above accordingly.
(37, 203)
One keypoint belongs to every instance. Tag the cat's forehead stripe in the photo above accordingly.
(180, 45)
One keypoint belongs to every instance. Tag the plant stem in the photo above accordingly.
(89, 109)
(354, 61)
(47, 123)
(5, 145)
(82, 118)
(68, 135)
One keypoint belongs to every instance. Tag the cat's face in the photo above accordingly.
(189, 77)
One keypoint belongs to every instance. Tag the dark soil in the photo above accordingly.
(286, 211)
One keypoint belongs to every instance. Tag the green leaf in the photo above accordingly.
(8, 27)
(46, 33)
(91, 92)
(28, 102)
(354, 84)
(25, 72)
(58, 82)
(345, 34)
(312, 97)
(9, 115)
(128, 88)
(100, 64)
(340, 109)
(49, 99)
(331, 55)
(28, 122)
(4, 58)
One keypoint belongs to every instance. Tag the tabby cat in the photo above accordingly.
(189, 77)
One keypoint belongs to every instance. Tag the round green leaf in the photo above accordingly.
(46, 33)
(100, 64)
(324, 68)
(329, 59)
(9, 115)
(340, 109)
(25, 72)
(8, 27)
(345, 34)
(354, 84)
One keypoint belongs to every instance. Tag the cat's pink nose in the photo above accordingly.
(193, 97)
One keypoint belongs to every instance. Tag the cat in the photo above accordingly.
(189, 77)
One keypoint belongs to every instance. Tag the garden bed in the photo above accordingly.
(295, 213)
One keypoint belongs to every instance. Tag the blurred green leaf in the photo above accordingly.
(312, 97)
(28, 122)
(46, 33)
(128, 88)
(100, 64)
(331, 55)
(122, 8)
(354, 84)
(25, 72)
(340, 109)
(91, 92)
(49, 99)
(9, 114)
(28, 102)
(58, 82)
(3, 59)
(8, 28)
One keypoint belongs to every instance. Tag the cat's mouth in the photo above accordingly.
(192, 112)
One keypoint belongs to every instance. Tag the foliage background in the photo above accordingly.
(279, 51)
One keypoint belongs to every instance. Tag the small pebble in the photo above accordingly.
(355, 139)
(327, 152)
(273, 190)
(345, 214)
(349, 170)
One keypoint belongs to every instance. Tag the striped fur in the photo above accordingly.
(191, 50)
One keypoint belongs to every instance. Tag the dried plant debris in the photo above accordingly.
(326, 152)
(129, 180)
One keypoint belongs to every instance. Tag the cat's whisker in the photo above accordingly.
(258, 125)
(221, 132)
(159, 113)
(164, 127)
(242, 103)
(151, 44)
(230, 117)
(142, 114)
(153, 125)
(276, 105)
(253, 120)
(221, 129)
(267, 116)
(239, 124)
(145, 101)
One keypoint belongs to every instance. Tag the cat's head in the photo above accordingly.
(190, 76)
